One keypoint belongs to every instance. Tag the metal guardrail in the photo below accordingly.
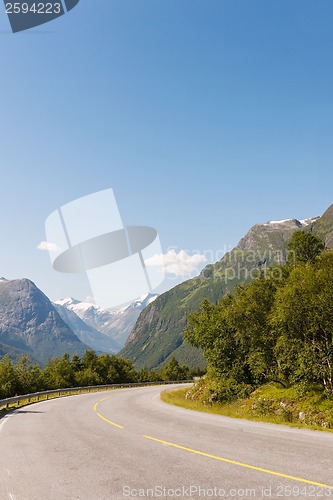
(57, 393)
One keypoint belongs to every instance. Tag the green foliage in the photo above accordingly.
(249, 316)
(8, 378)
(210, 329)
(58, 373)
(304, 248)
(303, 319)
(174, 371)
(227, 389)
(29, 376)
(277, 328)
(148, 376)
(23, 377)
(268, 403)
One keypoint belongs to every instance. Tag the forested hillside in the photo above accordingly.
(278, 328)
(158, 333)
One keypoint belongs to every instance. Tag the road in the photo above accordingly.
(118, 444)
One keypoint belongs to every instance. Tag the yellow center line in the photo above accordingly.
(240, 464)
(104, 418)
(109, 421)
(104, 399)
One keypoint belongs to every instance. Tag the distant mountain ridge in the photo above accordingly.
(157, 335)
(107, 329)
(273, 235)
(86, 333)
(29, 324)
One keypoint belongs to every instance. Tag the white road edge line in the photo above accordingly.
(3, 422)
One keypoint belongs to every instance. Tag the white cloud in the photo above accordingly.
(179, 264)
(49, 247)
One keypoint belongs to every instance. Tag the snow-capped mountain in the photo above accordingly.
(158, 333)
(87, 334)
(114, 324)
(293, 222)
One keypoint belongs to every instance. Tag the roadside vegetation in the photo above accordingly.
(269, 346)
(23, 377)
(269, 403)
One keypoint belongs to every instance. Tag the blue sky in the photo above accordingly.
(204, 116)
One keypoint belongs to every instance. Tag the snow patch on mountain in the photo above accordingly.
(117, 324)
(279, 221)
(299, 223)
(307, 222)
(76, 305)
(144, 300)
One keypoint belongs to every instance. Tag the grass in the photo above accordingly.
(269, 403)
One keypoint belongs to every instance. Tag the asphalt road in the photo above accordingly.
(128, 444)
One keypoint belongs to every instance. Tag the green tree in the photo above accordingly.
(89, 359)
(248, 315)
(9, 385)
(174, 371)
(29, 376)
(86, 371)
(121, 370)
(210, 329)
(148, 376)
(303, 318)
(304, 248)
(76, 363)
(58, 373)
(86, 377)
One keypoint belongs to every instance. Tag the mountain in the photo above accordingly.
(273, 236)
(157, 335)
(86, 333)
(13, 353)
(113, 326)
(29, 324)
(323, 227)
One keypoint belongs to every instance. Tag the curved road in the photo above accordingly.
(128, 444)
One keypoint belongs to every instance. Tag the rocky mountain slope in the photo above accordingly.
(106, 330)
(158, 332)
(323, 228)
(86, 333)
(30, 324)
